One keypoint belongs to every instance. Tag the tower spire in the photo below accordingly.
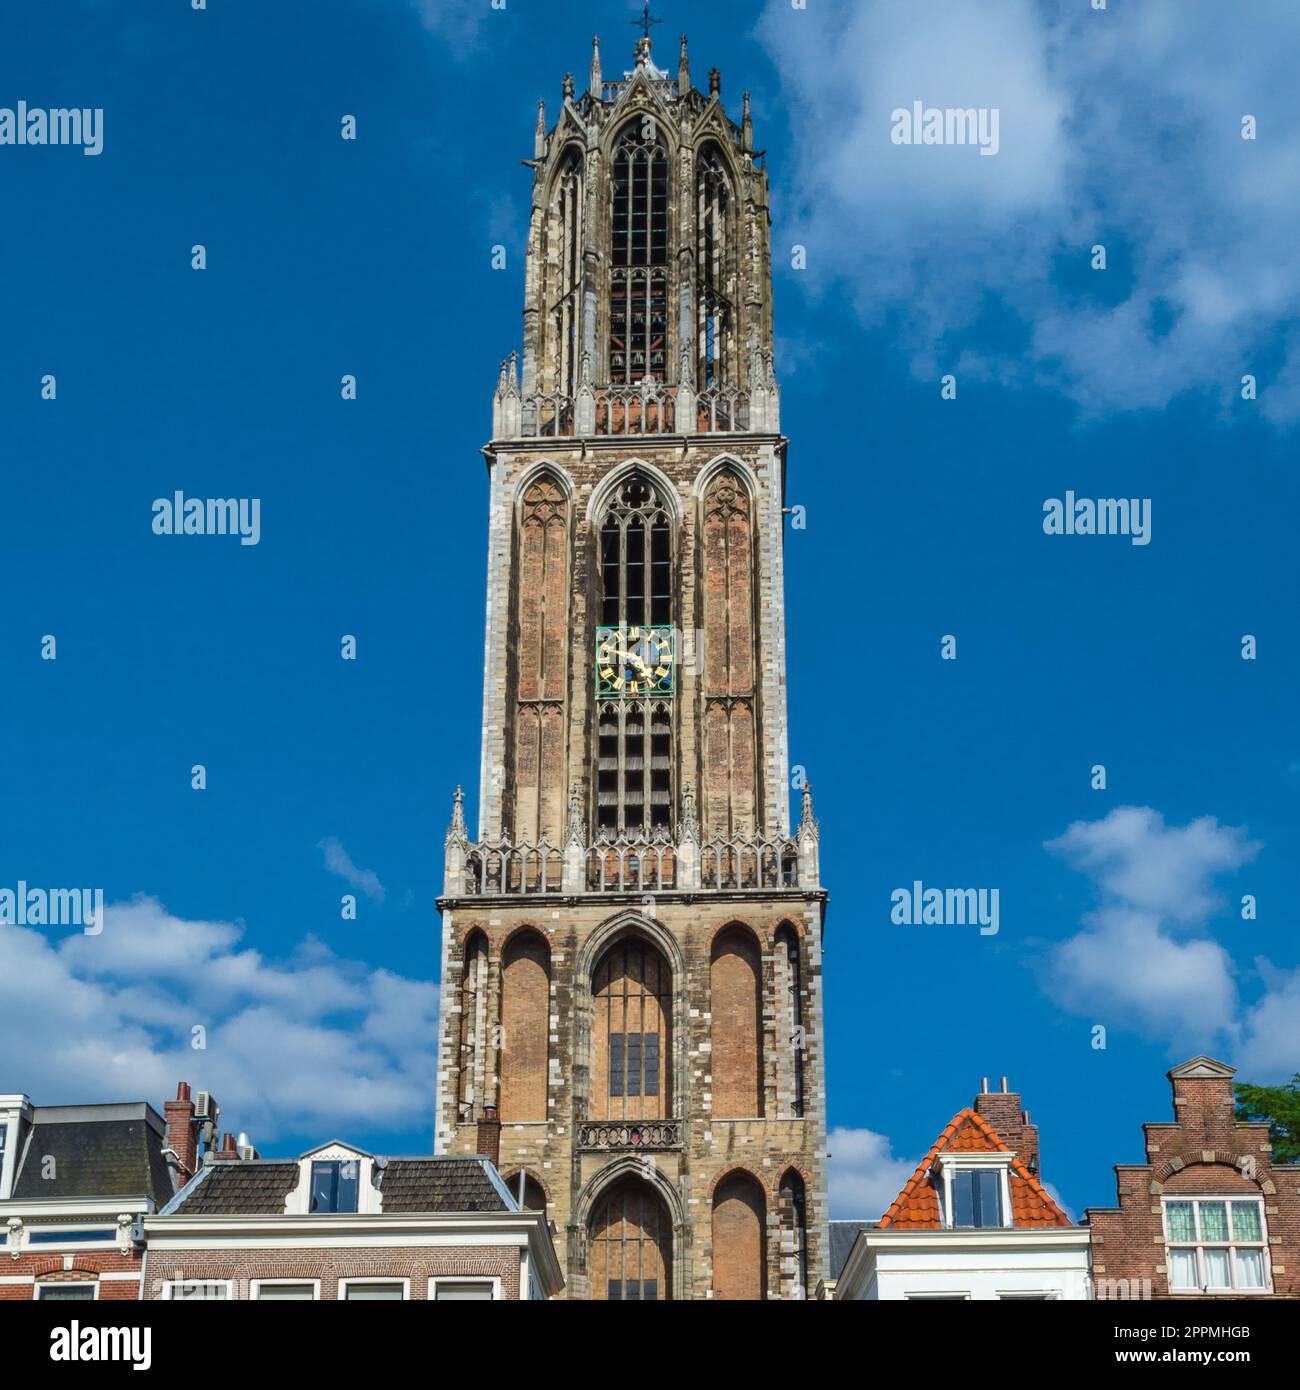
(594, 81)
(539, 132)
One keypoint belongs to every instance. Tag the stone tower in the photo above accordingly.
(631, 943)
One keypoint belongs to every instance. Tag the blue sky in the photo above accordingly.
(373, 258)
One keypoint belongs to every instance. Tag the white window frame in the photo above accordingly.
(938, 1296)
(345, 1284)
(1029, 1296)
(257, 1285)
(67, 1283)
(436, 1279)
(171, 1285)
(952, 1162)
(1231, 1245)
(66, 1229)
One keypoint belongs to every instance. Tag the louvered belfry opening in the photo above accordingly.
(638, 275)
(634, 737)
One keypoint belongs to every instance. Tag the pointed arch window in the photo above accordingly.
(632, 998)
(715, 329)
(563, 270)
(631, 1244)
(634, 738)
(638, 285)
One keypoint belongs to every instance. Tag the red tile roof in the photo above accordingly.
(916, 1207)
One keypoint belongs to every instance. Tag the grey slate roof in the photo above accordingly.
(439, 1184)
(98, 1151)
(244, 1188)
(258, 1187)
(843, 1235)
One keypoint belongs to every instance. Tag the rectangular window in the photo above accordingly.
(334, 1186)
(463, 1293)
(634, 1290)
(82, 1237)
(374, 1293)
(977, 1197)
(634, 1064)
(1215, 1244)
(652, 1064)
(297, 1293)
(197, 1291)
(616, 1064)
(65, 1293)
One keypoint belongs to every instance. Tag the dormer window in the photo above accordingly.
(976, 1197)
(334, 1186)
(974, 1190)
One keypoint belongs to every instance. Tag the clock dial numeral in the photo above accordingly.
(634, 662)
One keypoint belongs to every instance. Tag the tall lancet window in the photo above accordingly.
(636, 663)
(715, 328)
(563, 270)
(638, 276)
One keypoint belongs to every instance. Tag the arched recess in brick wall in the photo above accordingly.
(473, 1022)
(727, 589)
(632, 1051)
(739, 1246)
(525, 1027)
(790, 1021)
(736, 1004)
(541, 658)
(534, 1194)
(631, 1244)
(792, 1214)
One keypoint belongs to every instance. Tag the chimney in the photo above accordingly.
(489, 1135)
(182, 1132)
(228, 1148)
(1002, 1111)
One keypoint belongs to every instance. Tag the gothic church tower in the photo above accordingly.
(631, 943)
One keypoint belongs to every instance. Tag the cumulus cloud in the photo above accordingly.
(1119, 127)
(865, 1176)
(1144, 959)
(313, 1044)
(339, 861)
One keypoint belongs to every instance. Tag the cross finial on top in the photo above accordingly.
(646, 20)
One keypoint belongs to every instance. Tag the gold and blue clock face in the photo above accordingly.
(633, 662)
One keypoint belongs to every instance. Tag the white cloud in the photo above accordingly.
(339, 861)
(1270, 1043)
(1120, 126)
(314, 1044)
(455, 21)
(1144, 959)
(865, 1176)
(1148, 866)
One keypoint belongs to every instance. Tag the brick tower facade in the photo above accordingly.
(631, 943)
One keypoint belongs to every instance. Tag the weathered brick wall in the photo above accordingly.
(87, 1265)
(712, 1146)
(417, 1264)
(736, 1003)
(728, 586)
(1205, 1151)
(525, 1026)
(739, 1229)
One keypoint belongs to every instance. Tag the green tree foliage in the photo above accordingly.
(1278, 1107)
